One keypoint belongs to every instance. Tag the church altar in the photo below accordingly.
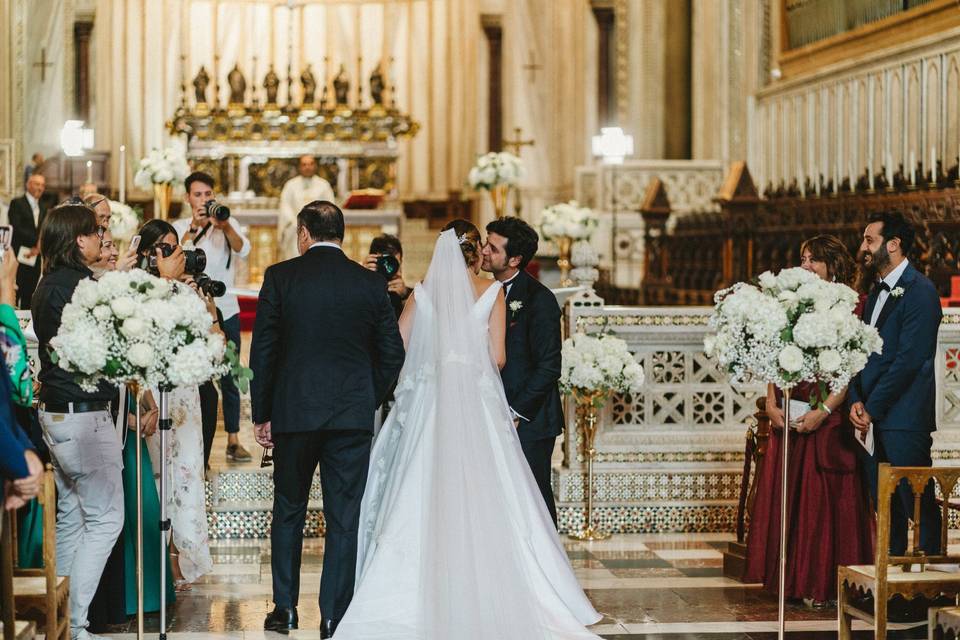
(252, 149)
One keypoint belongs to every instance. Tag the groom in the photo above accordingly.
(325, 351)
(533, 347)
(895, 394)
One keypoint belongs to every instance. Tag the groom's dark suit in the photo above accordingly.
(326, 349)
(898, 390)
(531, 374)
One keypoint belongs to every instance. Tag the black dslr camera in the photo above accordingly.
(210, 287)
(195, 260)
(387, 266)
(214, 209)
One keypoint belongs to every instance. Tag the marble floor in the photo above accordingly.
(646, 586)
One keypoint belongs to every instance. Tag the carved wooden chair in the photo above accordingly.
(891, 575)
(41, 593)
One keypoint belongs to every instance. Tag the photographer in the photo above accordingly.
(189, 550)
(213, 229)
(382, 249)
(77, 425)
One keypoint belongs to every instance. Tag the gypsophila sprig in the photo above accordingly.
(567, 219)
(134, 327)
(788, 328)
(493, 169)
(598, 363)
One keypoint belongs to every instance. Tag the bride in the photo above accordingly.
(455, 540)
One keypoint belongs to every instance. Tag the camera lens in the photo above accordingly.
(387, 265)
(211, 287)
(216, 210)
(195, 261)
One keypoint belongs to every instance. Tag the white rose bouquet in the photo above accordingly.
(124, 221)
(789, 328)
(162, 166)
(133, 327)
(494, 169)
(567, 219)
(598, 363)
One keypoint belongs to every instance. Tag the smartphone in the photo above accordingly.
(6, 235)
(134, 243)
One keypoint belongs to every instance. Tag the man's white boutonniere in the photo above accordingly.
(515, 307)
(896, 292)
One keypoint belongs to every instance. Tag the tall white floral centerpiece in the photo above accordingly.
(124, 222)
(131, 328)
(160, 170)
(789, 328)
(496, 172)
(564, 223)
(594, 367)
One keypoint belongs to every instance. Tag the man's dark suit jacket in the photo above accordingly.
(25, 234)
(326, 346)
(533, 358)
(898, 386)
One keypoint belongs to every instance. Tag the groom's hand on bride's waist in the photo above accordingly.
(262, 434)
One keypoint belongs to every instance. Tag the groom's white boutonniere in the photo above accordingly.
(515, 307)
(896, 292)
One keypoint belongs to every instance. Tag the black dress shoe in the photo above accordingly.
(281, 619)
(327, 627)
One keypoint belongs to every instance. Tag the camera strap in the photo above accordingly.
(203, 232)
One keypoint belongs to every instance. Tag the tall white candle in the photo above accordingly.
(933, 164)
(913, 169)
(123, 173)
(89, 171)
(889, 170)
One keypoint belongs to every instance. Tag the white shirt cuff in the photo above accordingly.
(518, 416)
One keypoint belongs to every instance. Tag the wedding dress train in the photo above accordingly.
(455, 540)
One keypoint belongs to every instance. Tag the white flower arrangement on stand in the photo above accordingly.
(789, 328)
(132, 327)
(160, 170)
(593, 367)
(567, 220)
(496, 172)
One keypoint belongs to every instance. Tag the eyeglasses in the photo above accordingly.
(100, 231)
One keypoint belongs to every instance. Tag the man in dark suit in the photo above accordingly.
(533, 347)
(895, 394)
(326, 349)
(26, 215)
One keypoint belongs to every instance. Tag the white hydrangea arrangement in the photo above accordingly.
(124, 221)
(788, 328)
(494, 169)
(567, 219)
(134, 327)
(598, 363)
(162, 166)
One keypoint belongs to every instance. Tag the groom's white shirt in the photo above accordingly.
(892, 278)
(325, 244)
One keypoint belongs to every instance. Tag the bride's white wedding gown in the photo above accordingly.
(455, 540)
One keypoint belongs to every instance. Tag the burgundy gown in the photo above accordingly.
(830, 521)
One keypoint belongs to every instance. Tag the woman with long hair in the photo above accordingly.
(830, 521)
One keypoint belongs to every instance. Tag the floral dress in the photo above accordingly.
(186, 500)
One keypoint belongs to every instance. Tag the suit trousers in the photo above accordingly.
(905, 449)
(539, 455)
(343, 457)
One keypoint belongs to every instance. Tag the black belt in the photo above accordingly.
(74, 407)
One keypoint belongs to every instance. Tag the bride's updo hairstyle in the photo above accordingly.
(469, 237)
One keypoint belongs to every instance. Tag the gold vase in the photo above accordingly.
(564, 243)
(163, 194)
(498, 195)
(588, 416)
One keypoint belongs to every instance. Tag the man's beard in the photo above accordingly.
(879, 260)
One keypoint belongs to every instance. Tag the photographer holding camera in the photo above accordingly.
(213, 229)
(386, 258)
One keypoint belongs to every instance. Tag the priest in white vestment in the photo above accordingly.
(297, 192)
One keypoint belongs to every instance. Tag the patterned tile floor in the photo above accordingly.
(647, 587)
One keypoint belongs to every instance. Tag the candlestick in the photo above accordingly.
(123, 173)
(89, 171)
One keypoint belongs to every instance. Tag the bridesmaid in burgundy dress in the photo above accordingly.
(830, 522)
